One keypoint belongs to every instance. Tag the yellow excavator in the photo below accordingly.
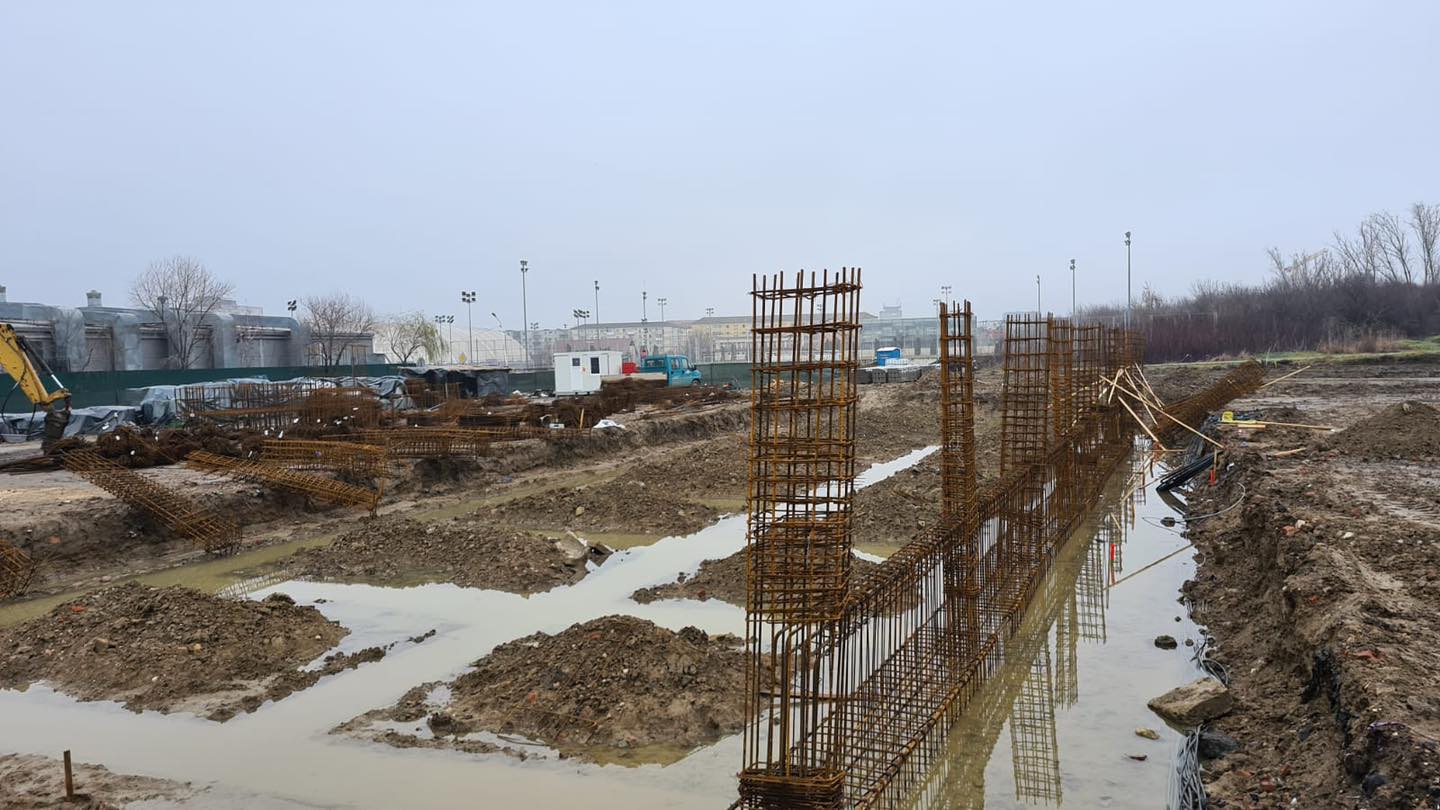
(29, 371)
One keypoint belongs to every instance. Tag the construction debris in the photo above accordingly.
(16, 570)
(299, 483)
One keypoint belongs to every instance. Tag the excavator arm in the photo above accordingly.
(25, 367)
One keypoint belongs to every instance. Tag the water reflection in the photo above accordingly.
(1034, 702)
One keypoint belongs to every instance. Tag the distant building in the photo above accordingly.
(95, 337)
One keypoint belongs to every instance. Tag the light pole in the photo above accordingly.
(1072, 290)
(1038, 309)
(644, 321)
(468, 297)
(597, 302)
(662, 302)
(525, 309)
(944, 292)
(1127, 279)
(534, 327)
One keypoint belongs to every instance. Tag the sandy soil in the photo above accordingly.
(1319, 581)
(613, 689)
(29, 782)
(469, 551)
(174, 649)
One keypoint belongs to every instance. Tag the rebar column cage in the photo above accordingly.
(802, 475)
(206, 528)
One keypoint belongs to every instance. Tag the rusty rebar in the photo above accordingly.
(293, 481)
(204, 526)
(16, 570)
(353, 458)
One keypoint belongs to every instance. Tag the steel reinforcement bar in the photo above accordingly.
(1243, 380)
(16, 569)
(203, 526)
(300, 483)
(802, 476)
(354, 458)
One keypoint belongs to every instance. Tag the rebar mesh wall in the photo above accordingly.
(205, 527)
(802, 472)
(852, 711)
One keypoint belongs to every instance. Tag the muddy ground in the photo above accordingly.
(29, 782)
(1319, 580)
(83, 538)
(174, 650)
(722, 579)
(612, 689)
(470, 551)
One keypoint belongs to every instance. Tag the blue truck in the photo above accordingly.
(673, 369)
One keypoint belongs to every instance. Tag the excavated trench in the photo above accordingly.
(1057, 723)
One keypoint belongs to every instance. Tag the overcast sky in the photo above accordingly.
(404, 151)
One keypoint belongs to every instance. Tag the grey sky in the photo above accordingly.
(403, 151)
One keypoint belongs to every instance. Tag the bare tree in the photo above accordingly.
(1360, 255)
(1389, 231)
(335, 321)
(407, 335)
(183, 294)
(1425, 221)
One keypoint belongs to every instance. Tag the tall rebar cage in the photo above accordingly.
(855, 681)
(802, 474)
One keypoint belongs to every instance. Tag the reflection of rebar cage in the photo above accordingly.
(206, 528)
(16, 570)
(1034, 752)
(802, 475)
(1091, 595)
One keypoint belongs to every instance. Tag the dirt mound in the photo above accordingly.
(714, 470)
(29, 782)
(891, 420)
(900, 508)
(717, 579)
(1318, 588)
(616, 688)
(173, 649)
(473, 554)
(627, 507)
(1407, 430)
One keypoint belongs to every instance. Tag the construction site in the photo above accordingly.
(1055, 575)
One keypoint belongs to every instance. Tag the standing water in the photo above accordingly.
(1053, 726)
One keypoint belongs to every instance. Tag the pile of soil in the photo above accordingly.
(173, 649)
(613, 688)
(722, 579)
(393, 550)
(1318, 588)
(1407, 430)
(626, 507)
(30, 782)
(891, 420)
(905, 505)
(715, 470)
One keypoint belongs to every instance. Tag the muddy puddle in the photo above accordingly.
(1060, 719)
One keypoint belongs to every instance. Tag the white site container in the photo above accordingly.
(581, 372)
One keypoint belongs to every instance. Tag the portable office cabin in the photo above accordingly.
(581, 372)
